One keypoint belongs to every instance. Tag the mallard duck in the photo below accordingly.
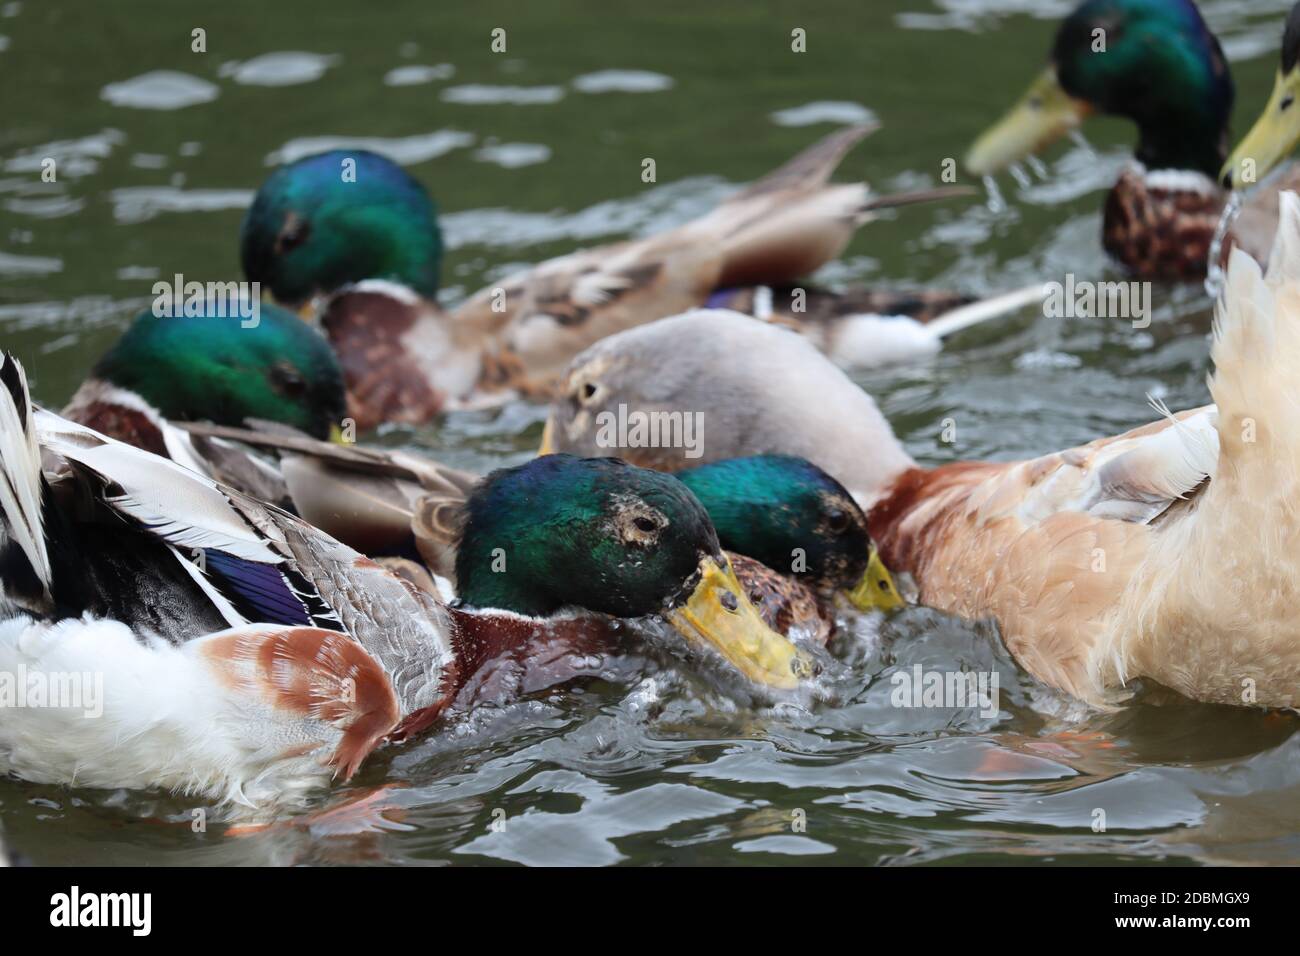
(248, 657)
(363, 251)
(1163, 554)
(1157, 63)
(802, 536)
(210, 366)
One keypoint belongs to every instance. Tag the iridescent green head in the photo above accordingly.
(227, 369)
(599, 534)
(789, 514)
(336, 218)
(1153, 61)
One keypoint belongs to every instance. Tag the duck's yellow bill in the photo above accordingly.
(1041, 116)
(877, 590)
(719, 614)
(548, 439)
(1270, 139)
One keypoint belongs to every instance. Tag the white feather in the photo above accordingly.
(163, 718)
(184, 508)
(20, 477)
(865, 341)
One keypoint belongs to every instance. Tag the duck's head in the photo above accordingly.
(563, 532)
(1152, 61)
(711, 384)
(336, 218)
(221, 369)
(1278, 127)
(793, 517)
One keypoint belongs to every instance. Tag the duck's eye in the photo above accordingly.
(287, 380)
(837, 521)
(636, 522)
(293, 233)
(587, 392)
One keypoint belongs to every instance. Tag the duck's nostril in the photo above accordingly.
(729, 601)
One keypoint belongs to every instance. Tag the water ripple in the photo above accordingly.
(160, 90)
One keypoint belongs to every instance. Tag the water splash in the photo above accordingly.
(1213, 271)
(996, 203)
(1081, 141)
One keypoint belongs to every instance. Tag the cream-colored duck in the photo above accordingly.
(1166, 553)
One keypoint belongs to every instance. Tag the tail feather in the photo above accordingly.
(984, 310)
(813, 167)
(21, 522)
(790, 223)
(911, 198)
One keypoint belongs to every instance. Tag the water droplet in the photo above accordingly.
(996, 203)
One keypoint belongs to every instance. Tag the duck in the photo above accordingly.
(1159, 555)
(206, 365)
(1273, 135)
(234, 652)
(801, 538)
(361, 253)
(1158, 64)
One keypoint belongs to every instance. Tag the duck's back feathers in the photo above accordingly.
(1045, 546)
(372, 499)
(777, 230)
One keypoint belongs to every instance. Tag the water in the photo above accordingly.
(529, 154)
(1215, 275)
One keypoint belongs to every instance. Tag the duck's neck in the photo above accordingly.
(1190, 143)
(902, 517)
(500, 654)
